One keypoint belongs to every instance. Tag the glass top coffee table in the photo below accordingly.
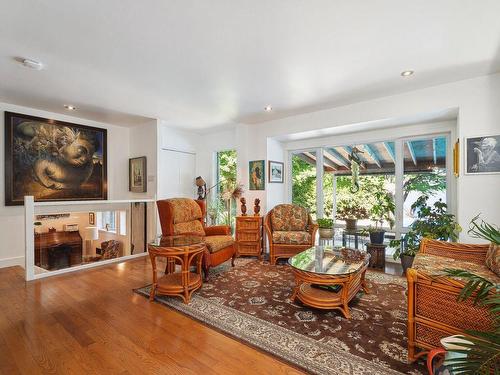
(329, 278)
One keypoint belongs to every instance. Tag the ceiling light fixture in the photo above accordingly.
(32, 64)
(407, 73)
(268, 108)
(69, 107)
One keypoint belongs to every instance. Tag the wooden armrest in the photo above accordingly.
(218, 230)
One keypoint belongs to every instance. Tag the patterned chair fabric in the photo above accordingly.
(289, 217)
(111, 249)
(291, 237)
(186, 215)
(217, 243)
(493, 258)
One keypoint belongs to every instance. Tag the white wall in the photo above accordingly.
(11, 218)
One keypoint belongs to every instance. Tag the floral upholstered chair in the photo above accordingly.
(290, 230)
(185, 216)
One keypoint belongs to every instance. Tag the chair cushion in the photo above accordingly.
(292, 237)
(493, 258)
(185, 210)
(191, 227)
(216, 243)
(434, 265)
(289, 217)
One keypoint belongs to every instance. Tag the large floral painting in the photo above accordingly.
(53, 160)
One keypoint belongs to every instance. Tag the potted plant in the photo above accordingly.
(325, 228)
(350, 212)
(381, 212)
(432, 221)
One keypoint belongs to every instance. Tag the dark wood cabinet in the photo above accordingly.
(56, 250)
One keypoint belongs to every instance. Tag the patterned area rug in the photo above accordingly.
(251, 303)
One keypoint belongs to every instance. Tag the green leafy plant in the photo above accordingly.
(484, 230)
(383, 210)
(481, 355)
(433, 221)
(325, 223)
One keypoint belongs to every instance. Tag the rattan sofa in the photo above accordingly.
(433, 309)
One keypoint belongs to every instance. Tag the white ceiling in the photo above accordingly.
(197, 64)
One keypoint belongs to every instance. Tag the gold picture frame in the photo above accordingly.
(456, 158)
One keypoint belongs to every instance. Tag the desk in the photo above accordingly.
(56, 250)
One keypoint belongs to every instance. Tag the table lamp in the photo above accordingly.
(90, 234)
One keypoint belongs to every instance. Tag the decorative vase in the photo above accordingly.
(350, 224)
(406, 262)
(377, 238)
(326, 233)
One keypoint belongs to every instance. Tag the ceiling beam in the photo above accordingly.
(326, 163)
(390, 151)
(412, 152)
(340, 160)
(306, 158)
(372, 154)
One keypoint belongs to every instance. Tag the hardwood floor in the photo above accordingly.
(91, 322)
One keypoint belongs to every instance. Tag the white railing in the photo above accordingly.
(32, 208)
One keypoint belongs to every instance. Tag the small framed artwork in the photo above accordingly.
(275, 170)
(137, 175)
(91, 218)
(257, 175)
(482, 155)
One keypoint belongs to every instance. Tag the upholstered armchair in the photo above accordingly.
(185, 216)
(290, 230)
(108, 250)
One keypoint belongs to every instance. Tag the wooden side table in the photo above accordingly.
(181, 250)
(377, 255)
(249, 235)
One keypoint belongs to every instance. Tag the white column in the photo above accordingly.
(398, 198)
(29, 235)
(319, 183)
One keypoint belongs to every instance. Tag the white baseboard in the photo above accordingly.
(11, 262)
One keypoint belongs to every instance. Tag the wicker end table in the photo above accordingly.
(183, 250)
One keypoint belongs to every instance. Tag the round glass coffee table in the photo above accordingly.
(183, 250)
(329, 278)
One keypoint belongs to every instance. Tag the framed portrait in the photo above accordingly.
(276, 172)
(53, 160)
(257, 175)
(137, 175)
(482, 155)
(91, 218)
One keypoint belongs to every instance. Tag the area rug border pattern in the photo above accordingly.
(305, 357)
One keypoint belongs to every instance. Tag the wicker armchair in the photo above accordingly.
(290, 230)
(433, 309)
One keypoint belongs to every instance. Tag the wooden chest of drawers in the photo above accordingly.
(249, 235)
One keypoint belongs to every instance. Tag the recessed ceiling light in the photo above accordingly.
(268, 108)
(32, 64)
(69, 107)
(407, 73)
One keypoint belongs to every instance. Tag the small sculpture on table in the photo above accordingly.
(243, 206)
(256, 207)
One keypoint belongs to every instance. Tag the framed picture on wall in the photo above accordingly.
(137, 174)
(482, 155)
(276, 172)
(53, 160)
(91, 218)
(257, 175)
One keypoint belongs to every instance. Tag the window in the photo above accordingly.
(424, 173)
(304, 180)
(106, 220)
(221, 207)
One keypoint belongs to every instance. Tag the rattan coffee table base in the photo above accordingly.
(325, 299)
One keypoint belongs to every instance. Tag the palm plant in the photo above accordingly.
(482, 352)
